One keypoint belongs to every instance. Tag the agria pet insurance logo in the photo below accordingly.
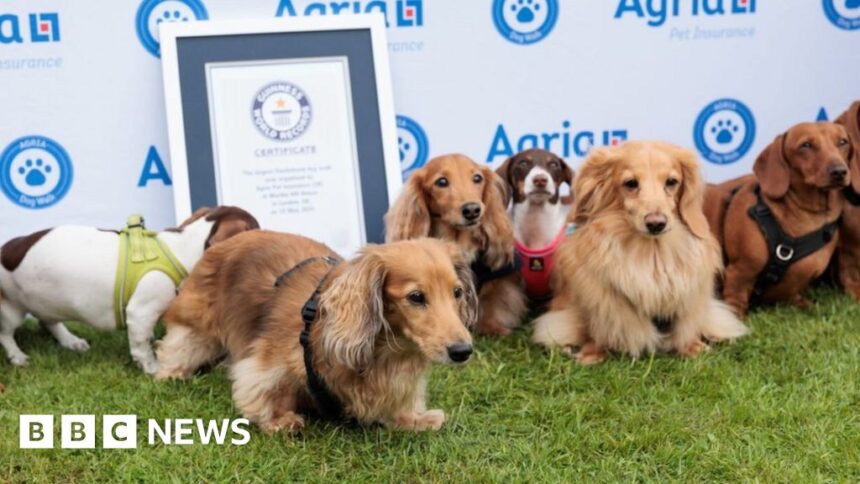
(844, 14)
(35, 172)
(724, 131)
(34, 27)
(281, 111)
(152, 13)
(525, 21)
(412, 144)
(407, 13)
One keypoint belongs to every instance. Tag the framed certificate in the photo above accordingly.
(290, 120)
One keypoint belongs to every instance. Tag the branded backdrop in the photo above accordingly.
(82, 128)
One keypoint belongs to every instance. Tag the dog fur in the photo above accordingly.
(849, 236)
(795, 176)
(372, 346)
(615, 275)
(427, 209)
(68, 274)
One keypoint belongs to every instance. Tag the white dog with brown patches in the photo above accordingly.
(637, 275)
(69, 273)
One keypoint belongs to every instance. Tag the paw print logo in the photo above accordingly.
(34, 172)
(152, 14)
(852, 4)
(725, 131)
(525, 10)
(525, 21)
(844, 14)
(412, 145)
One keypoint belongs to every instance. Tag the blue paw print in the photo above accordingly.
(403, 146)
(525, 10)
(725, 131)
(171, 16)
(35, 172)
(852, 3)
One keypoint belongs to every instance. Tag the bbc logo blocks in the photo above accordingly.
(77, 432)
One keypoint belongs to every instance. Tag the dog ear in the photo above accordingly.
(592, 187)
(496, 224)
(468, 304)
(567, 172)
(771, 169)
(854, 163)
(352, 311)
(229, 221)
(506, 172)
(409, 217)
(692, 196)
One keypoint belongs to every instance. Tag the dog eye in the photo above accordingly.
(458, 292)
(523, 163)
(632, 184)
(416, 297)
(442, 182)
(553, 164)
(806, 144)
(671, 182)
(843, 142)
(477, 178)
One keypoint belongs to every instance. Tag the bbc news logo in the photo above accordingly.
(34, 27)
(658, 11)
(120, 432)
(407, 13)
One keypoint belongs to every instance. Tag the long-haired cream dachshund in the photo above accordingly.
(456, 199)
(308, 332)
(637, 275)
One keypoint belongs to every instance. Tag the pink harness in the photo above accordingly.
(537, 265)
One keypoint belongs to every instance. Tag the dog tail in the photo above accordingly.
(556, 329)
(723, 324)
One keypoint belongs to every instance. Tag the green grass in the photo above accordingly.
(783, 404)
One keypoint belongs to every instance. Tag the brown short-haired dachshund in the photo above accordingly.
(849, 235)
(381, 319)
(799, 179)
(456, 199)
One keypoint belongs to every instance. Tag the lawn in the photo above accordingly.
(782, 404)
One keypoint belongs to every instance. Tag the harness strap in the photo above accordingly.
(850, 195)
(326, 403)
(783, 250)
(483, 273)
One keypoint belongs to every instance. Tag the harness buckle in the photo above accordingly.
(784, 252)
(309, 311)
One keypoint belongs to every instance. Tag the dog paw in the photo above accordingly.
(150, 367)
(493, 329)
(2, 388)
(694, 349)
(170, 373)
(430, 420)
(290, 422)
(75, 344)
(590, 354)
(802, 302)
(19, 359)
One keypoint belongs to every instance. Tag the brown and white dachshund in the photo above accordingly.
(800, 177)
(849, 238)
(382, 319)
(456, 199)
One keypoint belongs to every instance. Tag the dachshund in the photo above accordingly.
(310, 333)
(848, 264)
(456, 199)
(637, 274)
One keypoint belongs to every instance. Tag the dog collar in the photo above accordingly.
(326, 403)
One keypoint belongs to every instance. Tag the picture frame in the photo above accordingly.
(292, 120)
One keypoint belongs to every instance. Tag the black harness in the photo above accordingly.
(326, 403)
(850, 195)
(482, 272)
(784, 250)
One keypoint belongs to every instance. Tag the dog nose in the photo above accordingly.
(471, 211)
(460, 352)
(837, 172)
(540, 181)
(655, 223)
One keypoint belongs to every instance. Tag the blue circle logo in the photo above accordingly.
(724, 131)
(281, 111)
(844, 14)
(412, 145)
(152, 13)
(525, 21)
(35, 172)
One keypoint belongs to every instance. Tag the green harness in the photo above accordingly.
(140, 252)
